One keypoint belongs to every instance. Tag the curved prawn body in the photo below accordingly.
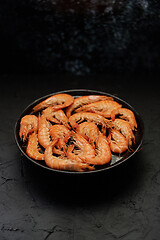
(125, 114)
(32, 147)
(58, 116)
(89, 131)
(85, 150)
(91, 117)
(125, 128)
(57, 101)
(43, 132)
(103, 152)
(61, 133)
(60, 163)
(118, 143)
(80, 101)
(28, 124)
(103, 108)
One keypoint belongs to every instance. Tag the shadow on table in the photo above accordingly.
(84, 189)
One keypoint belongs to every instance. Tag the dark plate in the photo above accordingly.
(116, 159)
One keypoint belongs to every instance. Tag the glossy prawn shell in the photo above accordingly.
(85, 149)
(32, 148)
(127, 115)
(103, 155)
(43, 132)
(63, 163)
(57, 101)
(28, 124)
(106, 106)
(59, 131)
(92, 117)
(89, 131)
(83, 100)
(58, 116)
(125, 128)
(118, 143)
(63, 134)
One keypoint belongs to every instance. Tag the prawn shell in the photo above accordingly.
(57, 101)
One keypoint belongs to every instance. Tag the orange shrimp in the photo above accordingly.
(63, 134)
(103, 108)
(85, 150)
(125, 114)
(33, 149)
(28, 124)
(57, 101)
(118, 143)
(63, 163)
(58, 116)
(91, 117)
(103, 152)
(43, 132)
(125, 128)
(89, 131)
(80, 101)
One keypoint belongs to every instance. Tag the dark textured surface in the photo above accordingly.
(79, 37)
(122, 203)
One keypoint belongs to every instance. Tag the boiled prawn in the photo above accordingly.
(103, 108)
(64, 163)
(91, 117)
(125, 114)
(63, 134)
(58, 116)
(84, 151)
(81, 101)
(125, 128)
(103, 152)
(89, 131)
(57, 101)
(43, 132)
(33, 148)
(118, 143)
(28, 124)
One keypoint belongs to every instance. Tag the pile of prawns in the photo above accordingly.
(76, 134)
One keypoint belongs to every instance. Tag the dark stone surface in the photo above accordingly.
(79, 37)
(123, 203)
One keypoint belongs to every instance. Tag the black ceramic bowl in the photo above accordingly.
(116, 159)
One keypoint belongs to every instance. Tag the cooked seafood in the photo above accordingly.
(125, 128)
(32, 147)
(28, 124)
(81, 101)
(125, 114)
(63, 163)
(57, 101)
(84, 151)
(118, 143)
(63, 134)
(89, 131)
(103, 108)
(79, 117)
(103, 152)
(76, 134)
(43, 132)
(58, 116)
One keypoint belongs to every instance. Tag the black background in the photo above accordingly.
(112, 47)
(80, 37)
